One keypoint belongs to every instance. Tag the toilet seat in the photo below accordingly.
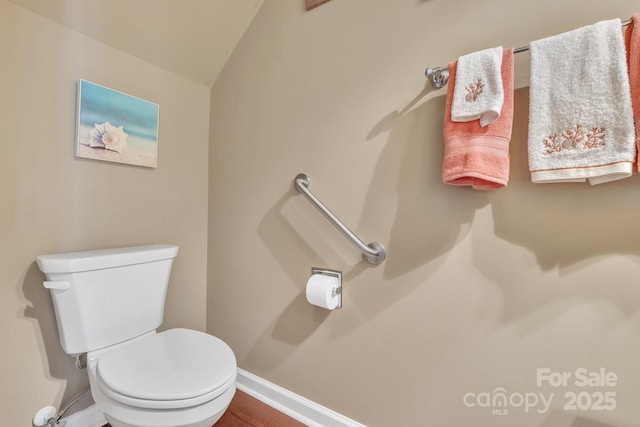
(177, 368)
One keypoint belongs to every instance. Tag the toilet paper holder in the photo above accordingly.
(333, 273)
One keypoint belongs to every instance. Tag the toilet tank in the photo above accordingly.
(105, 297)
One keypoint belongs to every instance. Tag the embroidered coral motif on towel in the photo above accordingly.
(474, 90)
(577, 138)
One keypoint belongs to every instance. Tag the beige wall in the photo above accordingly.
(52, 202)
(479, 289)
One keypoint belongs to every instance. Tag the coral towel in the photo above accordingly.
(580, 114)
(632, 41)
(474, 155)
(478, 93)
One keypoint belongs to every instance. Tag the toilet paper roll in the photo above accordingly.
(321, 291)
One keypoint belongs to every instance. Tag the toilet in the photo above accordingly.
(108, 305)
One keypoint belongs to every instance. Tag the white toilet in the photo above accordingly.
(108, 304)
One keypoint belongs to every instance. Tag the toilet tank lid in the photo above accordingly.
(73, 262)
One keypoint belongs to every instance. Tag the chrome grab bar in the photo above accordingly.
(374, 252)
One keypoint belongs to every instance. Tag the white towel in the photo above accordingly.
(478, 92)
(580, 114)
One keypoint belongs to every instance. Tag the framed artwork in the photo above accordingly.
(116, 127)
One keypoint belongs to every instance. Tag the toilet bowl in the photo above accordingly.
(108, 305)
(178, 377)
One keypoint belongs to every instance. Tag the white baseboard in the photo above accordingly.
(294, 405)
(297, 407)
(89, 417)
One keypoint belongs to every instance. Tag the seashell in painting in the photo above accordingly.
(95, 136)
(109, 137)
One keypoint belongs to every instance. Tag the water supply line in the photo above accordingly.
(47, 416)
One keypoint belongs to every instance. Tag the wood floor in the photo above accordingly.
(245, 411)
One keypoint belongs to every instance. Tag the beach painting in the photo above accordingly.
(116, 127)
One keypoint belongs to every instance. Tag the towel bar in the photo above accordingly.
(438, 77)
(374, 252)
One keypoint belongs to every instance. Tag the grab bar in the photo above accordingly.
(374, 252)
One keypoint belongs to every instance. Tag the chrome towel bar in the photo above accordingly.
(439, 77)
(374, 252)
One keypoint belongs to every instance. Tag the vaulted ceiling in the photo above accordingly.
(190, 38)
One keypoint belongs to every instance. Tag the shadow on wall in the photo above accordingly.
(288, 247)
(59, 365)
(407, 191)
(585, 422)
(563, 224)
(567, 227)
(300, 319)
(427, 216)
(281, 337)
(565, 419)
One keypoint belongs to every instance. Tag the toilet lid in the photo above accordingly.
(171, 365)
